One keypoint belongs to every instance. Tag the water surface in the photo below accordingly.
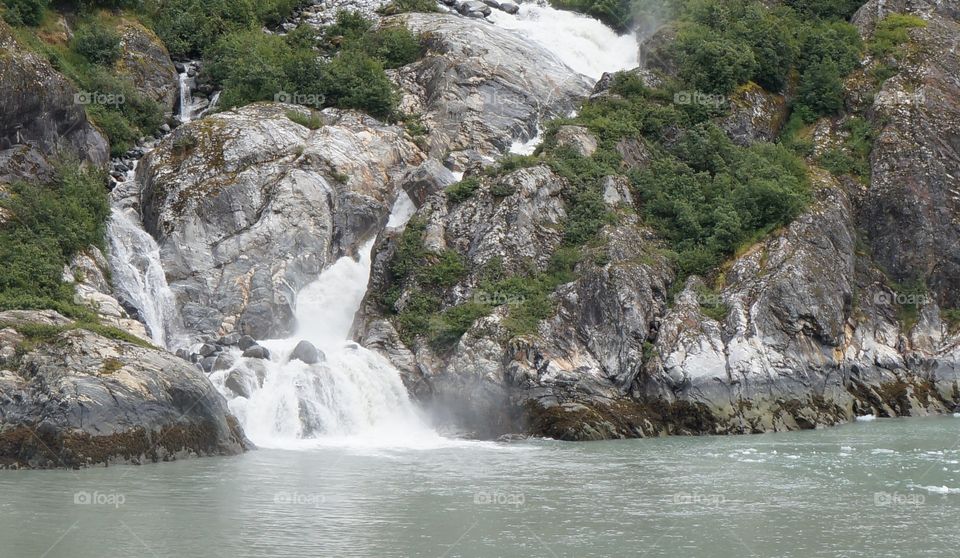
(881, 488)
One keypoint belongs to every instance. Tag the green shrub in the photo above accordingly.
(853, 157)
(24, 12)
(447, 327)
(96, 43)
(827, 9)
(394, 46)
(404, 6)
(617, 14)
(249, 66)
(836, 41)
(274, 12)
(713, 64)
(125, 122)
(311, 120)
(892, 32)
(821, 90)
(189, 27)
(356, 81)
(463, 190)
(48, 225)
(444, 270)
(706, 208)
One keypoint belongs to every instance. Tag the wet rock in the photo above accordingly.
(509, 7)
(223, 362)
(206, 363)
(257, 351)
(245, 342)
(230, 340)
(474, 7)
(207, 349)
(238, 381)
(306, 352)
(425, 180)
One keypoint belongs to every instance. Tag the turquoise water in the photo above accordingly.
(881, 488)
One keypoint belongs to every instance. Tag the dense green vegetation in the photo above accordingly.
(97, 43)
(617, 14)
(110, 99)
(403, 6)
(252, 66)
(23, 12)
(46, 226)
(190, 27)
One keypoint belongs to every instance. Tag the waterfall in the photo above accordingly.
(353, 396)
(139, 279)
(186, 100)
(584, 44)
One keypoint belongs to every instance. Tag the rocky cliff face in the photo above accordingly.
(70, 397)
(40, 116)
(145, 61)
(249, 206)
(807, 328)
(481, 87)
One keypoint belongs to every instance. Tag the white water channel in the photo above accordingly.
(352, 397)
(584, 44)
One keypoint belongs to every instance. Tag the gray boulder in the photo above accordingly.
(475, 7)
(145, 61)
(257, 351)
(84, 399)
(306, 352)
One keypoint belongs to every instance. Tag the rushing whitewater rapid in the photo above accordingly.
(584, 44)
(353, 396)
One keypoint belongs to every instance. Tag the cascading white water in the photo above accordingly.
(352, 397)
(584, 44)
(138, 276)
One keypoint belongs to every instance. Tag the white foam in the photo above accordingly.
(584, 44)
(937, 489)
(353, 398)
(866, 418)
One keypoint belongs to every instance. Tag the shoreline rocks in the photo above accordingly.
(80, 399)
